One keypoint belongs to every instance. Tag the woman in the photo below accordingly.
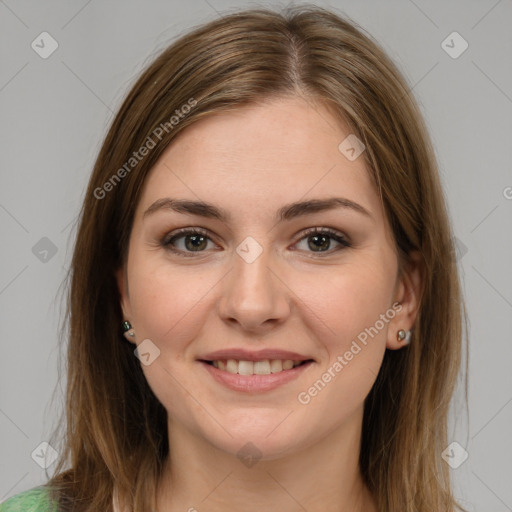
(264, 307)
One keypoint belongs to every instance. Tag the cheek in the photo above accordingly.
(352, 315)
(165, 300)
(166, 307)
(351, 300)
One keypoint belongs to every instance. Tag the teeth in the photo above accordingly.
(262, 367)
(232, 366)
(245, 367)
(265, 367)
(276, 365)
(288, 364)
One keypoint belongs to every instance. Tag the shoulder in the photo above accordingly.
(36, 499)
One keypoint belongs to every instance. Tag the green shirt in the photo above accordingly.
(36, 499)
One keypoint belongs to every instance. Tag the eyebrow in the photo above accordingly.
(287, 212)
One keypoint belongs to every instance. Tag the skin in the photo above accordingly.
(251, 162)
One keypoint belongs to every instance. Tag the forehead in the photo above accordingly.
(261, 157)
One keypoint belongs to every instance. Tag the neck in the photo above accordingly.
(322, 477)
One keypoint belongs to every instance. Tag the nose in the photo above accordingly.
(255, 297)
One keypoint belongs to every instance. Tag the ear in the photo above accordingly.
(122, 285)
(408, 293)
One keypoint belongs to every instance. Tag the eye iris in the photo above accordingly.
(323, 246)
(197, 240)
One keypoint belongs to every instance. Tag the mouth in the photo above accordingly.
(254, 377)
(263, 367)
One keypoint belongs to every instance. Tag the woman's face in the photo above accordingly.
(250, 283)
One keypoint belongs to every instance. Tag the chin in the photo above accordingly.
(251, 449)
(258, 439)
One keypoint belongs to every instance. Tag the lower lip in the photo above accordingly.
(255, 383)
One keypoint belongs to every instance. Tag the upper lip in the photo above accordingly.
(241, 354)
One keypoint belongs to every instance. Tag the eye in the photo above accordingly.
(195, 240)
(321, 238)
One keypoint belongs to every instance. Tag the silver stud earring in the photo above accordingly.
(129, 333)
(403, 335)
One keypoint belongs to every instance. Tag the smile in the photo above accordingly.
(264, 367)
(255, 376)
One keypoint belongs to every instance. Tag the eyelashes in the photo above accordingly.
(321, 234)
(169, 241)
(199, 236)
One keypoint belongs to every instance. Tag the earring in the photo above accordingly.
(403, 335)
(129, 333)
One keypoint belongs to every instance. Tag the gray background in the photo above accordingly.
(55, 112)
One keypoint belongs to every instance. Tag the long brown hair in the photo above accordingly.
(116, 430)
